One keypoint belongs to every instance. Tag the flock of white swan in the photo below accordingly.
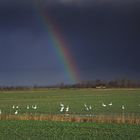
(62, 108)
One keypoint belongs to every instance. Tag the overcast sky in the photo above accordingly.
(103, 37)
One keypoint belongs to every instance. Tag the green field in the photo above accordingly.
(44, 130)
(48, 101)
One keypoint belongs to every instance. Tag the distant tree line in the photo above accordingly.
(119, 83)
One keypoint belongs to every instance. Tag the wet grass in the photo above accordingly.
(48, 101)
(45, 130)
(46, 122)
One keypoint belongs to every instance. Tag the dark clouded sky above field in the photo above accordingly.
(103, 37)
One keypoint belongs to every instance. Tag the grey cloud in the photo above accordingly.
(88, 2)
(66, 2)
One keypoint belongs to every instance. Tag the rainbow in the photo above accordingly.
(60, 47)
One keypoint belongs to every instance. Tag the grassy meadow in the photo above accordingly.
(48, 103)
(44, 130)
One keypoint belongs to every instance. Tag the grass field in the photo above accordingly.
(48, 103)
(44, 130)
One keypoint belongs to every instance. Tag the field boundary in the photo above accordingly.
(119, 119)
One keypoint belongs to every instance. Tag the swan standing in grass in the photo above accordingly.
(17, 106)
(123, 107)
(16, 112)
(62, 105)
(67, 108)
(34, 107)
(28, 107)
(90, 107)
(62, 109)
(13, 106)
(86, 107)
(110, 104)
(104, 105)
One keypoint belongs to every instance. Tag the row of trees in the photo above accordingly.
(119, 83)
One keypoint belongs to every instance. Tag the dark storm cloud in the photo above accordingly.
(65, 2)
(107, 38)
(103, 36)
